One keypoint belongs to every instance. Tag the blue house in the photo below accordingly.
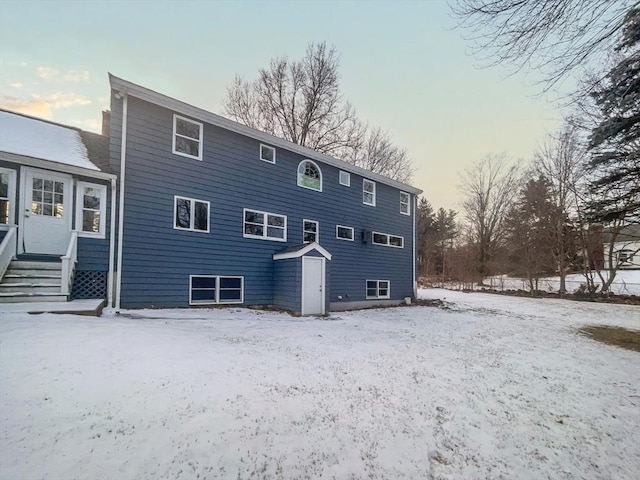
(211, 212)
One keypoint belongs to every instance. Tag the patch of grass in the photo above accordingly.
(618, 336)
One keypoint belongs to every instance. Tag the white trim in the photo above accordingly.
(317, 232)
(123, 158)
(348, 178)
(192, 218)
(265, 225)
(323, 286)
(413, 246)
(342, 238)
(388, 242)
(303, 251)
(378, 296)
(407, 203)
(217, 300)
(11, 195)
(319, 174)
(156, 98)
(80, 186)
(112, 243)
(176, 134)
(54, 166)
(262, 145)
(364, 182)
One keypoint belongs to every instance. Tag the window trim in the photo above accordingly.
(348, 228)
(11, 195)
(80, 186)
(273, 149)
(317, 232)
(377, 296)
(348, 177)
(388, 242)
(364, 192)
(407, 203)
(192, 218)
(175, 134)
(319, 174)
(217, 300)
(264, 225)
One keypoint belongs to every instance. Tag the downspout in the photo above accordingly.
(112, 243)
(123, 157)
(415, 280)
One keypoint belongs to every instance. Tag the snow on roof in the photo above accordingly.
(36, 138)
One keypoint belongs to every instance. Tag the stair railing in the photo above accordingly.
(69, 263)
(7, 248)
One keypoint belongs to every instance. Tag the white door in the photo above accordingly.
(46, 212)
(312, 286)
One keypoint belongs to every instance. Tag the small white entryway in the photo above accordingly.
(313, 286)
(46, 211)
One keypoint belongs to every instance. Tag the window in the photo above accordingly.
(405, 209)
(345, 178)
(187, 137)
(368, 192)
(7, 195)
(309, 231)
(378, 288)
(267, 153)
(309, 175)
(207, 289)
(266, 226)
(190, 214)
(91, 209)
(625, 257)
(344, 233)
(378, 238)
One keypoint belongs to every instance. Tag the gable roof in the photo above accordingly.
(125, 87)
(36, 138)
(301, 250)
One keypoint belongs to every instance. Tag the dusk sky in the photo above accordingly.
(404, 66)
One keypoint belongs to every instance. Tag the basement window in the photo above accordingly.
(210, 289)
(378, 289)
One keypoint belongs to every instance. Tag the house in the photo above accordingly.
(625, 251)
(209, 212)
(56, 207)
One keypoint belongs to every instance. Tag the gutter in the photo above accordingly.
(123, 157)
(112, 242)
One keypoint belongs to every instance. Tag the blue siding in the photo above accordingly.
(159, 259)
(287, 280)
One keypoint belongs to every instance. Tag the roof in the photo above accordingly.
(37, 138)
(301, 250)
(98, 149)
(125, 87)
(627, 234)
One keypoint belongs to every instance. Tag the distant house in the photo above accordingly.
(210, 212)
(626, 248)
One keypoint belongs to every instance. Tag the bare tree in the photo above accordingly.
(552, 36)
(300, 101)
(489, 188)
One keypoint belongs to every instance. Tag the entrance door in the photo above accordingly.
(46, 212)
(312, 286)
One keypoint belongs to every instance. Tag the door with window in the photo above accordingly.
(313, 288)
(46, 213)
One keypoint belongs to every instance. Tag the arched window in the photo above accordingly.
(309, 175)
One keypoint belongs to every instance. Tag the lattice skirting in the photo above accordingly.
(89, 284)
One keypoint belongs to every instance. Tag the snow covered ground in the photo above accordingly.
(489, 387)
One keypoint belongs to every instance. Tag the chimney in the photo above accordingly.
(106, 119)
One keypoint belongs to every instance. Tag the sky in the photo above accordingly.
(403, 65)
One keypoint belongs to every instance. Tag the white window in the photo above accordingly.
(187, 137)
(7, 196)
(389, 240)
(344, 233)
(190, 214)
(368, 192)
(309, 231)
(209, 289)
(378, 288)
(309, 175)
(91, 209)
(264, 225)
(405, 209)
(345, 178)
(267, 153)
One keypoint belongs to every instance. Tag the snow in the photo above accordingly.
(488, 387)
(39, 139)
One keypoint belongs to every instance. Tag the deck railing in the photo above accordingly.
(69, 263)
(7, 248)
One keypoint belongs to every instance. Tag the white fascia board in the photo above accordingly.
(123, 86)
(51, 165)
(303, 251)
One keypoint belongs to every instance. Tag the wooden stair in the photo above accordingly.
(32, 281)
